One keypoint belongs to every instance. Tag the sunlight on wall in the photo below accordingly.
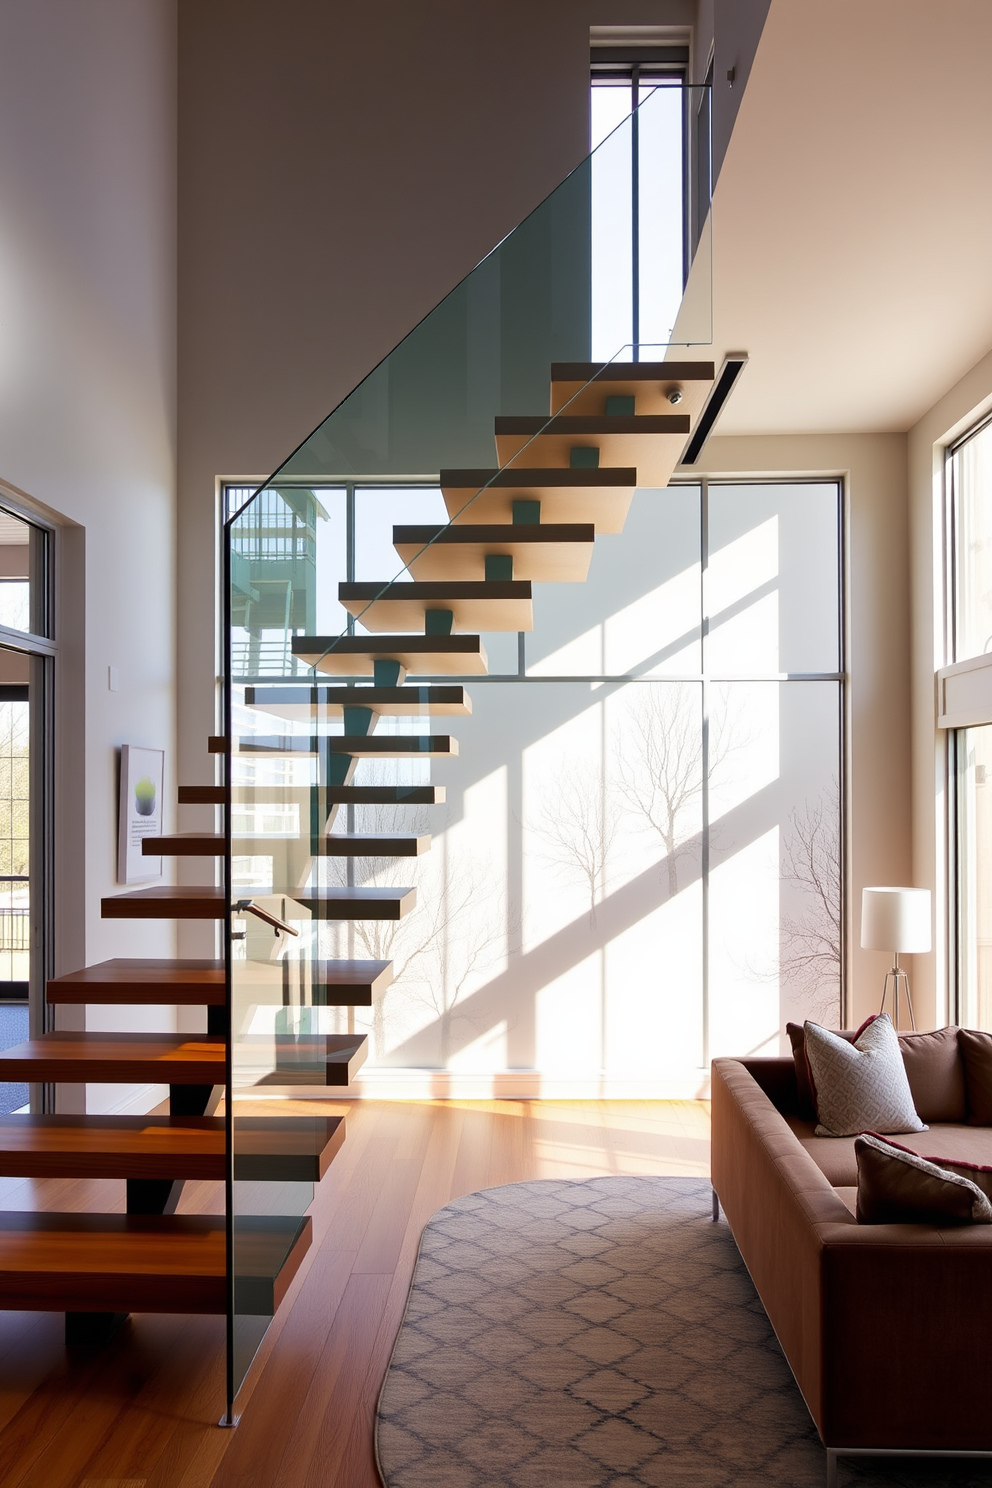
(744, 914)
(569, 1021)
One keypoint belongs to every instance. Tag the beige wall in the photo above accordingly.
(341, 168)
(87, 405)
(879, 838)
(962, 405)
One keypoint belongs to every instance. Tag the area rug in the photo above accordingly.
(602, 1334)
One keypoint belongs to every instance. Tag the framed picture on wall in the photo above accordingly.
(140, 814)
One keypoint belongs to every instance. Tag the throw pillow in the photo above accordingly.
(797, 1038)
(935, 1072)
(897, 1187)
(860, 1086)
(976, 1051)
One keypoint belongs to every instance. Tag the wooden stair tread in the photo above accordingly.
(359, 745)
(384, 795)
(184, 844)
(304, 703)
(583, 387)
(166, 901)
(556, 552)
(138, 1058)
(354, 656)
(349, 983)
(201, 795)
(275, 1148)
(185, 983)
(651, 442)
(474, 606)
(601, 497)
(355, 904)
(340, 845)
(146, 1263)
(319, 1060)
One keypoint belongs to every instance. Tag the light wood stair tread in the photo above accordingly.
(185, 983)
(474, 606)
(651, 442)
(146, 1263)
(553, 552)
(583, 387)
(140, 1058)
(275, 1148)
(601, 497)
(354, 656)
(305, 703)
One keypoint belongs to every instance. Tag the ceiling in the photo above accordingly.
(852, 220)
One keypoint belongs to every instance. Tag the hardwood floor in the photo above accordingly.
(142, 1411)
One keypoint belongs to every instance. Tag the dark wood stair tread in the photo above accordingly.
(201, 795)
(166, 902)
(304, 703)
(208, 904)
(539, 425)
(329, 1059)
(134, 1058)
(340, 845)
(357, 745)
(184, 845)
(271, 1148)
(146, 1263)
(355, 655)
(349, 983)
(474, 605)
(184, 983)
(383, 795)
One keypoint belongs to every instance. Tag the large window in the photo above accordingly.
(967, 685)
(638, 864)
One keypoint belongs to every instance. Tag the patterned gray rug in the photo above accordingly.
(602, 1334)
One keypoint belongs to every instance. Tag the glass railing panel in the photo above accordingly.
(337, 762)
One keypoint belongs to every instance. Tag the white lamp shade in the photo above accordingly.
(895, 920)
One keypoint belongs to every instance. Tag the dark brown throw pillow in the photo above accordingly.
(936, 1074)
(897, 1187)
(976, 1052)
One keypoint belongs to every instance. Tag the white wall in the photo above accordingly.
(87, 407)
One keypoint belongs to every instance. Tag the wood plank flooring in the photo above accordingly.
(142, 1411)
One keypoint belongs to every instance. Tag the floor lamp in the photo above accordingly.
(896, 920)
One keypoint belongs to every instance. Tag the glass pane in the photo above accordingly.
(15, 865)
(975, 877)
(637, 614)
(775, 862)
(772, 580)
(23, 596)
(972, 485)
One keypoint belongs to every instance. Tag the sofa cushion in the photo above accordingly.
(834, 1156)
(976, 1055)
(934, 1067)
(860, 1086)
(896, 1186)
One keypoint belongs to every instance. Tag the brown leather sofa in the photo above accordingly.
(887, 1328)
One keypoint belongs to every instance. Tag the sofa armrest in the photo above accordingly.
(777, 1078)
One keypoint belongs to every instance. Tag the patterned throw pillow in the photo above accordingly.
(860, 1086)
(897, 1187)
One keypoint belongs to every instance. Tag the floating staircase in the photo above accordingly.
(534, 518)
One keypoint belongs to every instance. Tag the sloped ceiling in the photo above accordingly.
(852, 220)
